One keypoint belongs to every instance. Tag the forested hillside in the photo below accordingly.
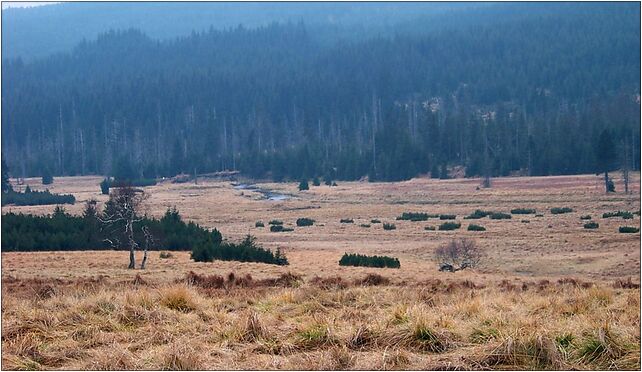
(530, 87)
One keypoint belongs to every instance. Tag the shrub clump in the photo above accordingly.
(30, 197)
(369, 261)
(591, 225)
(259, 224)
(245, 251)
(304, 222)
(624, 214)
(303, 185)
(165, 255)
(375, 221)
(413, 216)
(628, 229)
(389, 226)
(446, 226)
(561, 210)
(522, 211)
(280, 228)
(447, 216)
(429, 228)
(587, 217)
(347, 220)
(372, 280)
(500, 216)
(477, 214)
(365, 225)
(473, 227)
(275, 222)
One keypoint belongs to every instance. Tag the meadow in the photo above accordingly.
(549, 294)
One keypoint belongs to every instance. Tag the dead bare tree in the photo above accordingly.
(458, 254)
(122, 211)
(149, 240)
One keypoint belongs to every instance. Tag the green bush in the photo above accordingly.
(447, 216)
(624, 214)
(30, 197)
(369, 261)
(526, 221)
(539, 215)
(429, 228)
(375, 221)
(316, 182)
(366, 225)
(304, 222)
(303, 185)
(413, 216)
(561, 210)
(104, 187)
(522, 211)
(275, 222)
(628, 229)
(245, 251)
(389, 226)
(259, 224)
(591, 225)
(347, 220)
(473, 227)
(449, 226)
(477, 214)
(47, 178)
(587, 217)
(280, 228)
(500, 216)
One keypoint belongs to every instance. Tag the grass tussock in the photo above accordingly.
(372, 280)
(178, 298)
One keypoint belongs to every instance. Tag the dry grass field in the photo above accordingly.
(549, 294)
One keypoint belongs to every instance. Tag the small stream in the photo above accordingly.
(268, 194)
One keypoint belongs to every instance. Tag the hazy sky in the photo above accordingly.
(24, 4)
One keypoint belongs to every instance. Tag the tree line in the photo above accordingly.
(528, 95)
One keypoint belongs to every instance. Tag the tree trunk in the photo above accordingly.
(132, 259)
(606, 180)
(142, 265)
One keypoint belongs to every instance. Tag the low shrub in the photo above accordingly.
(389, 226)
(413, 216)
(446, 226)
(447, 216)
(104, 186)
(366, 225)
(304, 222)
(316, 182)
(591, 225)
(30, 197)
(429, 228)
(347, 220)
(624, 214)
(628, 229)
(526, 221)
(587, 217)
(275, 222)
(372, 280)
(165, 255)
(477, 214)
(539, 215)
(259, 224)
(473, 227)
(561, 210)
(303, 185)
(375, 221)
(280, 228)
(369, 261)
(500, 216)
(522, 211)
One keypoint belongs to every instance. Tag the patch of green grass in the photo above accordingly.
(565, 340)
(483, 335)
(427, 340)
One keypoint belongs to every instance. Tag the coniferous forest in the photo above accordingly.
(503, 89)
